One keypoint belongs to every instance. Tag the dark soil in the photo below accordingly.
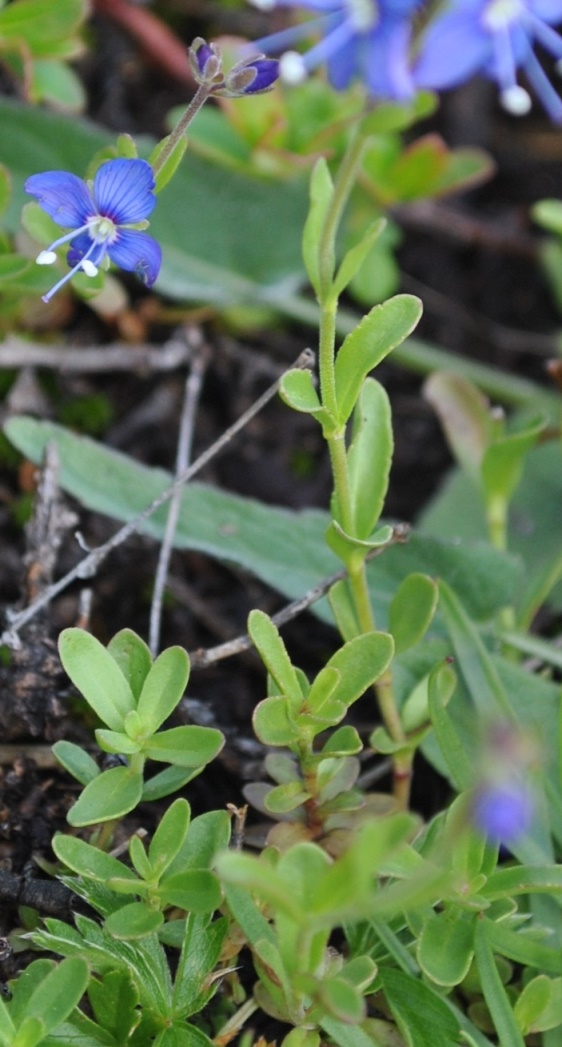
(473, 260)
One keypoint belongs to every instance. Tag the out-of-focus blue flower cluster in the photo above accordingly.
(398, 46)
(502, 805)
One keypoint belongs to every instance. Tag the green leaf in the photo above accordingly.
(185, 746)
(139, 859)
(369, 457)
(548, 213)
(355, 256)
(285, 549)
(502, 465)
(423, 1017)
(114, 1000)
(534, 1006)
(377, 334)
(54, 82)
(166, 782)
(111, 795)
(446, 945)
(200, 951)
(274, 724)
(117, 742)
(59, 993)
(523, 948)
(495, 995)
(441, 686)
(343, 742)
(169, 836)
(411, 611)
(194, 890)
(132, 921)
(76, 761)
(298, 391)
(88, 861)
(95, 674)
(163, 688)
(360, 662)
(5, 188)
(464, 413)
(341, 1000)
(284, 798)
(475, 663)
(243, 870)
(170, 165)
(273, 653)
(321, 194)
(133, 658)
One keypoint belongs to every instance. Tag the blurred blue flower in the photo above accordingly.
(494, 37)
(503, 811)
(102, 219)
(360, 39)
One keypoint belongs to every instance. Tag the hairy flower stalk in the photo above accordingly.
(106, 219)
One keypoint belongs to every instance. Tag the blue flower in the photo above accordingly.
(102, 219)
(503, 811)
(363, 39)
(494, 37)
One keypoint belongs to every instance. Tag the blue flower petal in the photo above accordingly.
(503, 811)
(64, 196)
(453, 49)
(123, 191)
(81, 246)
(138, 253)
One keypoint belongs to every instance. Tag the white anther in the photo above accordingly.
(516, 100)
(292, 68)
(89, 268)
(46, 258)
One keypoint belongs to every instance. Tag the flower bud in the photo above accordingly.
(251, 77)
(206, 62)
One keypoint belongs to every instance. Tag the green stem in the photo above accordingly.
(198, 100)
(344, 184)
